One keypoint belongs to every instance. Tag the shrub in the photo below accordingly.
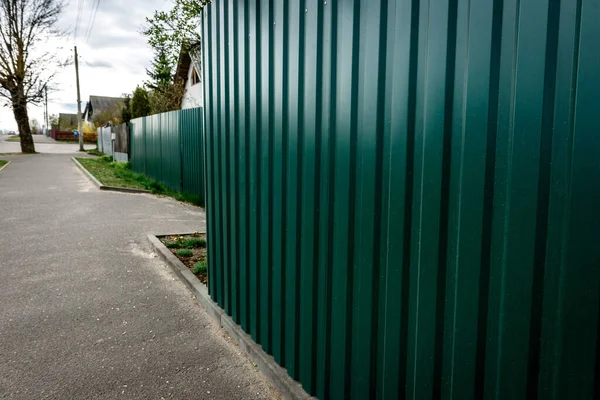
(140, 105)
(106, 159)
(185, 253)
(200, 268)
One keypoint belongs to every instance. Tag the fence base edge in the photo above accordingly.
(276, 374)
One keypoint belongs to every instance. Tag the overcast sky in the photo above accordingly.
(112, 62)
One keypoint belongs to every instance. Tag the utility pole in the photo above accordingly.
(46, 94)
(78, 103)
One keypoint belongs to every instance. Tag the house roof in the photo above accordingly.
(100, 104)
(187, 59)
(67, 121)
(103, 103)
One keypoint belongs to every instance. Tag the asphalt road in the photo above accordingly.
(88, 311)
(43, 144)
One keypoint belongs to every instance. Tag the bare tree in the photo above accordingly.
(23, 69)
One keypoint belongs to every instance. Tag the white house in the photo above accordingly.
(189, 70)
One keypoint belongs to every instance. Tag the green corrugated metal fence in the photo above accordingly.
(168, 147)
(402, 195)
(192, 150)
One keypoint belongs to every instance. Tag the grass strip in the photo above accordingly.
(94, 152)
(119, 174)
(3, 163)
(110, 175)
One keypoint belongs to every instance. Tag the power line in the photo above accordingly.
(78, 19)
(92, 20)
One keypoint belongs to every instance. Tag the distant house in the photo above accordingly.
(100, 110)
(67, 122)
(190, 72)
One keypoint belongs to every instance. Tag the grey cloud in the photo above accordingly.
(69, 106)
(100, 64)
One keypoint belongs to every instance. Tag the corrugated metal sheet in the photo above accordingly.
(170, 150)
(402, 195)
(168, 147)
(137, 128)
(154, 145)
(121, 157)
(192, 150)
(104, 141)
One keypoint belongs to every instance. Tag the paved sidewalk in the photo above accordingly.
(88, 311)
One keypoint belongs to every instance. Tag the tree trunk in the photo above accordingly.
(22, 118)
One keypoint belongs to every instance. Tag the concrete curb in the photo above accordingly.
(278, 376)
(5, 165)
(104, 187)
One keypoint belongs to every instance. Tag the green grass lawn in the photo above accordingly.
(3, 163)
(119, 174)
(114, 174)
(13, 139)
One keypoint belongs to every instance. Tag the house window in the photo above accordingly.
(195, 77)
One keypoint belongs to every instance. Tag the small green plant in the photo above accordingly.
(156, 187)
(187, 197)
(121, 165)
(195, 242)
(185, 253)
(200, 268)
(95, 152)
(107, 159)
(178, 243)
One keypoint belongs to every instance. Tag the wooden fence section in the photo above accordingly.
(69, 135)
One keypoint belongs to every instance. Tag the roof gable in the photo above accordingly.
(187, 60)
(67, 121)
(103, 103)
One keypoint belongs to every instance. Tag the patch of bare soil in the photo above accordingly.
(196, 244)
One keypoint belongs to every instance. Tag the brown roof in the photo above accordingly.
(67, 121)
(99, 104)
(186, 60)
